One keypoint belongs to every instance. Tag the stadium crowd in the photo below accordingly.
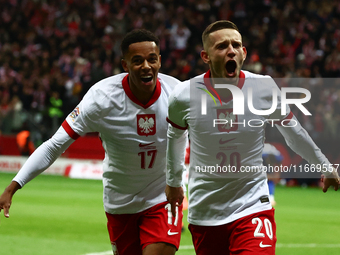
(52, 52)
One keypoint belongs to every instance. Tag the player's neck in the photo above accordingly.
(224, 93)
(142, 95)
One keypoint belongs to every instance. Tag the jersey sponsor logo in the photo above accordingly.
(227, 114)
(172, 233)
(146, 124)
(265, 245)
(74, 114)
(226, 141)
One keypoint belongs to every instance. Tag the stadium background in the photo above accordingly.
(52, 52)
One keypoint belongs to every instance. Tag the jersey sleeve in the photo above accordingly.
(177, 139)
(273, 88)
(179, 108)
(86, 116)
(43, 157)
(301, 143)
(178, 114)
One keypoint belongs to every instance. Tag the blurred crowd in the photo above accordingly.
(53, 51)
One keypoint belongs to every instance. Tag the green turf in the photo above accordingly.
(54, 215)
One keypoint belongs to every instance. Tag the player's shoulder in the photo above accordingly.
(182, 91)
(259, 80)
(249, 75)
(187, 84)
(105, 90)
(168, 80)
(108, 84)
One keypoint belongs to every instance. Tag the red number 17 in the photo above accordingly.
(151, 153)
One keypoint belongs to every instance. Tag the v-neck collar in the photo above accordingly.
(207, 83)
(128, 92)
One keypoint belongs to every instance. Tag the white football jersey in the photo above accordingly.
(224, 146)
(134, 138)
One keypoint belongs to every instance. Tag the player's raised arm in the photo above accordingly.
(301, 143)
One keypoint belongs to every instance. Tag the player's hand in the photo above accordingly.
(5, 203)
(6, 197)
(175, 196)
(332, 180)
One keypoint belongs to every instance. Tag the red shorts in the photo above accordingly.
(131, 233)
(252, 234)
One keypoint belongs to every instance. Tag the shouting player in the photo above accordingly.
(229, 206)
(129, 111)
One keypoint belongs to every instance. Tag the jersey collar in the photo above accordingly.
(207, 83)
(133, 98)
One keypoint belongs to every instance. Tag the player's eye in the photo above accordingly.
(221, 46)
(236, 45)
(153, 60)
(137, 61)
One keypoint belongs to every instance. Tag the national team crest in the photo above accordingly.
(146, 124)
(227, 114)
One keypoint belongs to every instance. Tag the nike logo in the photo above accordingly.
(147, 144)
(265, 245)
(172, 233)
(226, 141)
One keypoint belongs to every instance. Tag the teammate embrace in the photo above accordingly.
(143, 152)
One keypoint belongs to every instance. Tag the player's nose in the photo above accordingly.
(231, 51)
(146, 65)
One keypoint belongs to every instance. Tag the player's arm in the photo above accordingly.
(40, 160)
(175, 166)
(177, 137)
(301, 143)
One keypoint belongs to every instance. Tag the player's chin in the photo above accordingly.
(148, 86)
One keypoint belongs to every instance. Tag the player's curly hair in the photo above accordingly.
(135, 36)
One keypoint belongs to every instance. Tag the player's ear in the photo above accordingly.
(244, 52)
(124, 65)
(205, 57)
(160, 60)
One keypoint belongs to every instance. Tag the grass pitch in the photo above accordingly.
(53, 215)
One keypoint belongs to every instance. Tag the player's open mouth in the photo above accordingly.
(230, 66)
(146, 78)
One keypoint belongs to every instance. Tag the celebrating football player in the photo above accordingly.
(129, 111)
(229, 206)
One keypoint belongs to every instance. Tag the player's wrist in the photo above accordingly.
(331, 173)
(12, 188)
